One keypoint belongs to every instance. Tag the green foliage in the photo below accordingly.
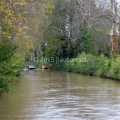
(88, 63)
(114, 71)
(39, 63)
(52, 48)
(56, 46)
(93, 65)
(15, 65)
(84, 63)
(69, 66)
(3, 84)
(104, 66)
(83, 43)
(87, 44)
(7, 49)
(10, 63)
(59, 44)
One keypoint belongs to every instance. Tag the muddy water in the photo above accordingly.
(50, 95)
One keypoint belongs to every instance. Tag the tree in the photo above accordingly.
(79, 22)
(114, 32)
(12, 20)
(37, 12)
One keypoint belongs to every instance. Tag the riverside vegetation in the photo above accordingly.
(96, 65)
(79, 31)
(59, 29)
(16, 40)
(11, 64)
(102, 66)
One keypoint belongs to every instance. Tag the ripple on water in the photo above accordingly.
(48, 95)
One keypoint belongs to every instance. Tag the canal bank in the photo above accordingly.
(89, 64)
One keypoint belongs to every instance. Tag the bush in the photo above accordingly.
(84, 63)
(39, 63)
(7, 51)
(104, 63)
(12, 67)
(114, 71)
(93, 65)
(3, 84)
(89, 64)
(69, 66)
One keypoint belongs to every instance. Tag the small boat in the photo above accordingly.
(30, 67)
(45, 66)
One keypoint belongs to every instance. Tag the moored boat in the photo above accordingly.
(45, 66)
(30, 67)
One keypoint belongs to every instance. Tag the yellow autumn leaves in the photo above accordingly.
(12, 16)
(12, 23)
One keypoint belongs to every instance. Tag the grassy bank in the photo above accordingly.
(94, 65)
(89, 64)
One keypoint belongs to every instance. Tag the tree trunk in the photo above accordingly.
(114, 33)
(115, 44)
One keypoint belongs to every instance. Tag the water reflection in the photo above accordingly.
(49, 95)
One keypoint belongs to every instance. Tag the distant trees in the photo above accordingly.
(75, 26)
(37, 18)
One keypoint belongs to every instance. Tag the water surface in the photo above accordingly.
(50, 95)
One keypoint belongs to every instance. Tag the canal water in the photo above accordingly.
(50, 95)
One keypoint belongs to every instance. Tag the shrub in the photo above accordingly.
(69, 66)
(90, 64)
(114, 71)
(84, 63)
(104, 63)
(39, 63)
(93, 65)
(12, 67)
(3, 84)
